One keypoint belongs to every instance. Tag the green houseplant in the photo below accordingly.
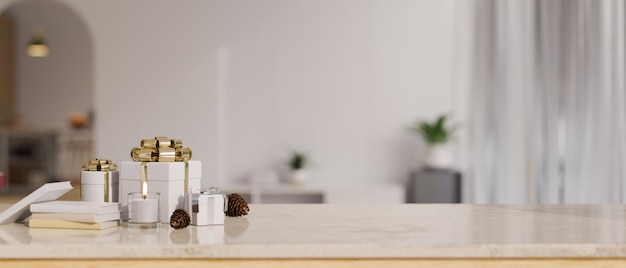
(297, 164)
(297, 161)
(436, 134)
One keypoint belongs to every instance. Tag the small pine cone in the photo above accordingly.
(180, 219)
(237, 206)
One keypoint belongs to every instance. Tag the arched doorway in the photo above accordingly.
(44, 128)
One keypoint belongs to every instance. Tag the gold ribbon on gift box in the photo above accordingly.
(160, 149)
(103, 165)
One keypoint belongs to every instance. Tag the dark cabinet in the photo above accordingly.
(27, 158)
(434, 186)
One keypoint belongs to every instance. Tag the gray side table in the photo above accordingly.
(434, 186)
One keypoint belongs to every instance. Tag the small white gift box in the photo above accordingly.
(206, 208)
(166, 178)
(99, 186)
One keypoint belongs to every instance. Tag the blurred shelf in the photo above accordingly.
(27, 158)
(365, 193)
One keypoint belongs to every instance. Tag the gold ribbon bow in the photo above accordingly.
(104, 165)
(160, 149)
(99, 165)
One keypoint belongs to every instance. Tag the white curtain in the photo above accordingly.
(547, 101)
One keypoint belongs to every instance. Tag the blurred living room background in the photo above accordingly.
(342, 102)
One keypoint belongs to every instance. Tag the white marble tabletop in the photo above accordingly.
(332, 231)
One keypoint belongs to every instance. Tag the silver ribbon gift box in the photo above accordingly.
(206, 207)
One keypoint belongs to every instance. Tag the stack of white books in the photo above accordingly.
(74, 215)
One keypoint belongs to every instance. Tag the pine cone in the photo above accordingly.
(237, 206)
(180, 219)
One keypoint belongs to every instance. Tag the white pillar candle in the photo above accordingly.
(144, 208)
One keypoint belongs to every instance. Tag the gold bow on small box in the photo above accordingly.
(99, 165)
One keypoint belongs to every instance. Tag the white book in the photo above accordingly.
(80, 217)
(40, 223)
(74, 207)
(47, 192)
(73, 236)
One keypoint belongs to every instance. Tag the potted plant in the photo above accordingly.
(436, 135)
(297, 167)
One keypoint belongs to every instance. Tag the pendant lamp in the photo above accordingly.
(37, 47)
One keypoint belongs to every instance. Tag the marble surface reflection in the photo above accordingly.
(319, 231)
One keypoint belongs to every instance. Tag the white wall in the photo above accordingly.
(242, 82)
(340, 80)
(50, 88)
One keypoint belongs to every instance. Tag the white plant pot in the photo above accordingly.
(298, 176)
(439, 156)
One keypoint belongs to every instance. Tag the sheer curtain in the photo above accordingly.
(547, 101)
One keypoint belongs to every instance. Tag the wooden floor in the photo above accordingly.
(306, 263)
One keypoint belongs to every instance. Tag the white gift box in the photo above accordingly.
(166, 178)
(92, 186)
(205, 209)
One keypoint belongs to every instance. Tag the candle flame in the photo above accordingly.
(144, 189)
